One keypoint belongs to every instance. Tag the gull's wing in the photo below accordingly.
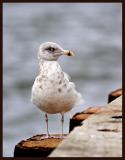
(72, 85)
(67, 76)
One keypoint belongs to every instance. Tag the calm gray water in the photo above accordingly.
(93, 31)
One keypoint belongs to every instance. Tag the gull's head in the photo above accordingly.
(51, 51)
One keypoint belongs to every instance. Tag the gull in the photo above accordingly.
(52, 91)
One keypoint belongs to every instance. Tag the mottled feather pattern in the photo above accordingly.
(52, 91)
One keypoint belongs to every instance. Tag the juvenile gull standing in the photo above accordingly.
(52, 92)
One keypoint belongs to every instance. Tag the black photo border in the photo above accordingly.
(1, 80)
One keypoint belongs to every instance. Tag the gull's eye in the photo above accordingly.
(51, 49)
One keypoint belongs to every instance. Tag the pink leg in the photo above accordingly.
(48, 135)
(46, 118)
(62, 120)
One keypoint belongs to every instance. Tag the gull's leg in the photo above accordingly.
(46, 118)
(47, 135)
(62, 120)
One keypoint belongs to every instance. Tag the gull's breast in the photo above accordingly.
(51, 91)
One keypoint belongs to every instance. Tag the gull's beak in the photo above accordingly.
(68, 53)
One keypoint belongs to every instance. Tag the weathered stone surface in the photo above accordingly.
(78, 118)
(99, 136)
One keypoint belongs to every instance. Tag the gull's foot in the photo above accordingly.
(45, 137)
(53, 136)
(58, 136)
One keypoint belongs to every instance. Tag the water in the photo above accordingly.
(92, 30)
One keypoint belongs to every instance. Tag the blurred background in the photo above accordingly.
(92, 30)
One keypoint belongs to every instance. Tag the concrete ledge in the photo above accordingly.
(99, 136)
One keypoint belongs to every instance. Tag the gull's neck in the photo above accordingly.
(43, 63)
